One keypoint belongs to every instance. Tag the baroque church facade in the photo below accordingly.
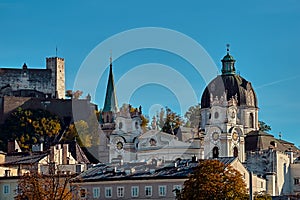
(229, 128)
(229, 112)
(122, 138)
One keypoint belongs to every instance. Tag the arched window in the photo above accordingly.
(235, 152)
(107, 118)
(215, 152)
(251, 120)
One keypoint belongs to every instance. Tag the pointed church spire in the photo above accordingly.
(228, 63)
(111, 103)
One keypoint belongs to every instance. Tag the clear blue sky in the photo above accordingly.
(264, 38)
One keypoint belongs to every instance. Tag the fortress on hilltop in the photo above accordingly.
(26, 82)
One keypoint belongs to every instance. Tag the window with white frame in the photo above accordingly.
(120, 191)
(148, 191)
(162, 190)
(134, 191)
(6, 189)
(96, 192)
(108, 192)
(176, 188)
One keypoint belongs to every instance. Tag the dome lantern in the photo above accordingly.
(228, 63)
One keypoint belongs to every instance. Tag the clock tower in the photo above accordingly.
(228, 112)
(124, 139)
(119, 129)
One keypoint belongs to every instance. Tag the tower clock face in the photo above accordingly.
(215, 136)
(235, 136)
(118, 144)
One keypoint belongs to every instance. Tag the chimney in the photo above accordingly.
(51, 154)
(65, 150)
(7, 173)
(10, 147)
(13, 146)
(290, 153)
(271, 184)
(194, 158)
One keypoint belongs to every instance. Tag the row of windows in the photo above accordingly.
(108, 191)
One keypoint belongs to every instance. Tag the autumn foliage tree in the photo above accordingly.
(172, 122)
(213, 180)
(80, 131)
(29, 126)
(262, 196)
(33, 186)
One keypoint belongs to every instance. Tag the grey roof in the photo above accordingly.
(259, 140)
(140, 170)
(78, 153)
(231, 85)
(24, 159)
(227, 160)
(143, 170)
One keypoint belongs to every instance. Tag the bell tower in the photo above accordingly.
(229, 112)
(224, 136)
(107, 116)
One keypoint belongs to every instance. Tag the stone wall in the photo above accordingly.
(61, 107)
(274, 162)
(27, 79)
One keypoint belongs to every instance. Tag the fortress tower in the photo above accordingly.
(57, 67)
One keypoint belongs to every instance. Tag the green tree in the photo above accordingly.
(211, 179)
(93, 124)
(193, 116)
(29, 127)
(79, 131)
(263, 126)
(82, 129)
(172, 122)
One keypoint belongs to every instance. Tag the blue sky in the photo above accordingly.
(264, 38)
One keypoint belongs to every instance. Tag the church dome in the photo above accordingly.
(230, 85)
(228, 57)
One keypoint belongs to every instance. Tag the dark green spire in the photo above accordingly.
(228, 63)
(111, 103)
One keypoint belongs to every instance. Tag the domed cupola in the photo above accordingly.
(228, 64)
(231, 85)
